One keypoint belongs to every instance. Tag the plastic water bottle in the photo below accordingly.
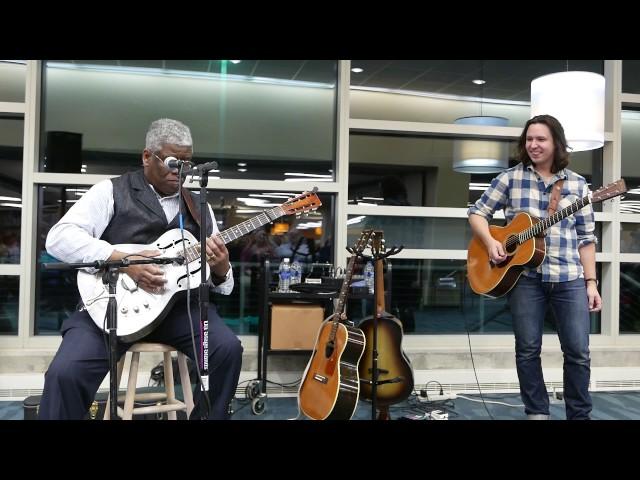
(284, 274)
(296, 272)
(368, 276)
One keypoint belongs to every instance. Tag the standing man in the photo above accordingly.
(566, 279)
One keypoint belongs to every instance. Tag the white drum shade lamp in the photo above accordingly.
(480, 156)
(576, 99)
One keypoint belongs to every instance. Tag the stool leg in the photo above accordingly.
(131, 386)
(169, 387)
(186, 382)
(107, 408)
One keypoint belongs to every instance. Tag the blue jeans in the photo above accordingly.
(528, 301)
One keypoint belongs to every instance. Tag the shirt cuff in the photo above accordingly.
(226, 286)
(476, 211)
(586, 240)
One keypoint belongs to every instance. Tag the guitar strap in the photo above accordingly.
(189, 201)
(555, 197)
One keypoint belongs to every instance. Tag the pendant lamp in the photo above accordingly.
(576, 99)
(480, 156)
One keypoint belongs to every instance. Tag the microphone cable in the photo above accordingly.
(205, 393)
(466, 327)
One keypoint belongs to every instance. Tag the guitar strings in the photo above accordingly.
(542, 225)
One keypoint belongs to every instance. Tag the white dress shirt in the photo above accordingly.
(76, 237)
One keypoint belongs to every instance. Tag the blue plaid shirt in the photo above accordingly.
(521, 189)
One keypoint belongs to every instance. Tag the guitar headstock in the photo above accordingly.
(362, 242)
(609, 191)
(377, 242)
(305, 202)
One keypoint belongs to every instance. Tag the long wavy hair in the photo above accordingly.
(560, 156)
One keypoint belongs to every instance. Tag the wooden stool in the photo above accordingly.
(169, 395)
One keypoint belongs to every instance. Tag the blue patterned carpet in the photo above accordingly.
(606, 406)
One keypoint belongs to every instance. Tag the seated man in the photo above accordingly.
(136, 208)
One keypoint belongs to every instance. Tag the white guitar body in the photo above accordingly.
(139, 311)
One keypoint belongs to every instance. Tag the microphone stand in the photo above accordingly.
(110, 271)
(203, 290)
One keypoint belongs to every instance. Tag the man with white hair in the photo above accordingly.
(136, 208)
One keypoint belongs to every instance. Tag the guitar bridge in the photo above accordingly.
(320, 378)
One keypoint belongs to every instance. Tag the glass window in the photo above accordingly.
(415, 232)
(9, 301)
(56, 290)
(259, 119)
(424, 232)
(309, 239)
(440, 91)
(11, 140)
(434, 297)
(13, 74)
(418, 171)
(630, 238)
(629, 295)
(309, 236)
(631, 76)
(630, 126)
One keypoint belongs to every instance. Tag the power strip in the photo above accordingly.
(438, 415)
(438, 398)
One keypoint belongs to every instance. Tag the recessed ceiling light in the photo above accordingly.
(479, 81)
(242, 164)
(242, 170)
(357, 70)
(235, 61)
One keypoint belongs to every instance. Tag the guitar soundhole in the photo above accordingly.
(511, 244)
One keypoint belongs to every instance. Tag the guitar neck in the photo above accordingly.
(345, 287)
(237, 231)
(379, 279)
(544, 224)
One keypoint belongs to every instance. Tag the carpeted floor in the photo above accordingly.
(606, 406)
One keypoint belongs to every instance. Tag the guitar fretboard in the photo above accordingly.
(542, 225)
(342, 297)
(237, 231)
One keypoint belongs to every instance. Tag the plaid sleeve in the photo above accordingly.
(585, 222)
(493, 199)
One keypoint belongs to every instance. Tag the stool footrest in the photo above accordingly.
(174, 407)
(150, 396)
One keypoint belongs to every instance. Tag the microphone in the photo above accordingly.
(201, 169)
(205, 167)
(173, 162)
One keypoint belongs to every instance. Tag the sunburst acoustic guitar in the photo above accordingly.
(395, 374)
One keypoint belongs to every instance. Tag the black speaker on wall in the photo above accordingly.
(63, 152)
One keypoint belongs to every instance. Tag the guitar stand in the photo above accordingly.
(111, 271)
(375, 371)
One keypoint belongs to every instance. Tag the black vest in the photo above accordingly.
(138, 216)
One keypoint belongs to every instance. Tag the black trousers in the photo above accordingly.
(82, 361)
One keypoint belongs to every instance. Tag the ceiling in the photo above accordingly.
(505, 79)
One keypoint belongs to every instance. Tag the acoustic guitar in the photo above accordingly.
(394, 368)
(139, 311)
(524, 245)
(330, 384)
